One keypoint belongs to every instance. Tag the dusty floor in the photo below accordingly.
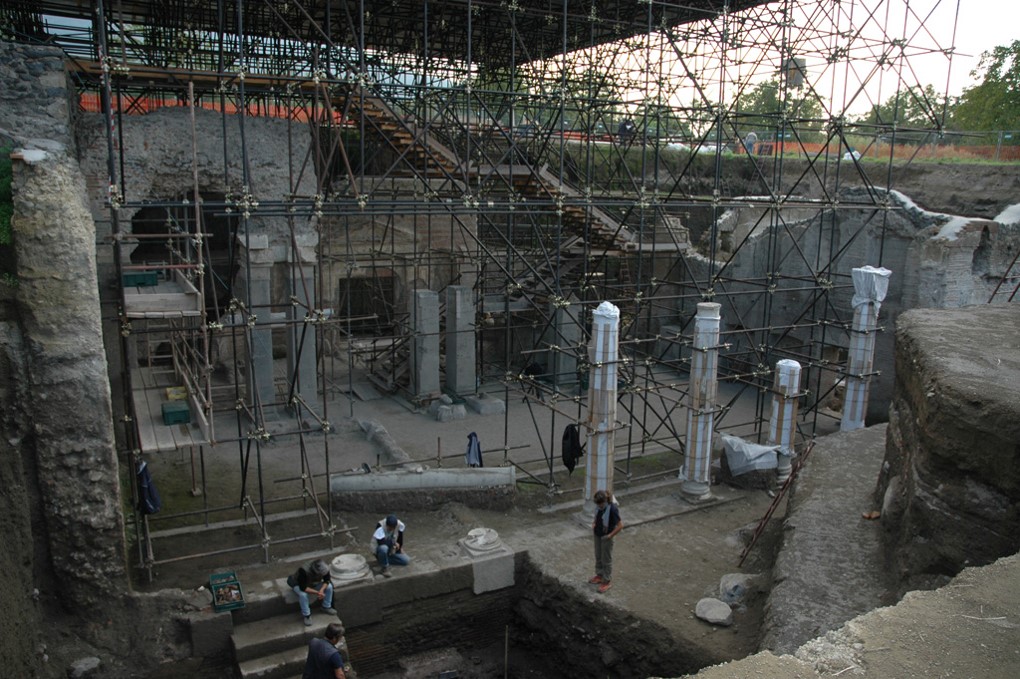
(670, 555)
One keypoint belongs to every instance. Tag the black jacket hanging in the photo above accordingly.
(572, 448)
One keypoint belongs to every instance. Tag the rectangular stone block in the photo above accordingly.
(493, 572)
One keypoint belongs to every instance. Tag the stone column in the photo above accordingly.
(301, 339)
(460, 340)
(783, 423)
(61, 411)
(696, 471)
(255, 291)
(603, 352)
(870, 287)
(566, 336)
(425, 343)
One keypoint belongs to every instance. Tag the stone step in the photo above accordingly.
(280, 665)
(271, 635)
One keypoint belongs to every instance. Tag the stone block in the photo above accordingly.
(493, 572)
(450, 413)
(485, 405)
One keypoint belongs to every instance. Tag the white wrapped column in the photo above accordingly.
(783, 423)
(603, 353)
(704, 385)
(870, 287)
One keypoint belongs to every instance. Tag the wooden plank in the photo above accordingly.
(153, 435)
(143, 421)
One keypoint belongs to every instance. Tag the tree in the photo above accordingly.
(764, 108)
(995, 103)
(912, 107)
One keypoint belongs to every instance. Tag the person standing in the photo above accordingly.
(313, 580)
(324, 660)
(388, 544)
(606, 526)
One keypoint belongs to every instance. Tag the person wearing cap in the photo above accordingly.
(388, 544)
(312, 580)
(324, 660)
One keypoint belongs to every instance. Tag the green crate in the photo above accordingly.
(140, 279)
(176, 412)
(226, 591)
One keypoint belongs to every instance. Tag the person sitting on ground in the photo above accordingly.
(324, 660)
(388, 544)
(314, 580)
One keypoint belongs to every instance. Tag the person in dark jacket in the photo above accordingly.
(313, 580)
(324, 660)
(606, 526)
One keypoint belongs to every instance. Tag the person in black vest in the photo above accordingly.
(313, 580)
(606, 526)
(324, 660)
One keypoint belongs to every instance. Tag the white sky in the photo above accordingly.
(982, 25)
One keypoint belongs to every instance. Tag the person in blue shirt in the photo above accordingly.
(324, 660)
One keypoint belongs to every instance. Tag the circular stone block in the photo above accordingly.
(482, 540)
(347, 567)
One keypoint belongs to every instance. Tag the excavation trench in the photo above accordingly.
(536, 628)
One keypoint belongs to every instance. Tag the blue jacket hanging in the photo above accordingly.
(148, 496)
(473, 456)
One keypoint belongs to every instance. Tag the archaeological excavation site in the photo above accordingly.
(276, 271)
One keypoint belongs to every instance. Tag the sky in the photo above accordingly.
(982, 25)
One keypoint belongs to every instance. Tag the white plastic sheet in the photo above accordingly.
(744, 456)
(871, 284)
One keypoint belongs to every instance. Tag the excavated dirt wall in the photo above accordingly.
(950, 491)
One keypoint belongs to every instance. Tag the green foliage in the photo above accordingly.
(995, 103)
(764, 108)
(912, 107)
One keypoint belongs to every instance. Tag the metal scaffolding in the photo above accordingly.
(550, 155)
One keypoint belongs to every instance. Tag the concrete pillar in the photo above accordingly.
(870, 287)
(601, 423)
(696, 471)
(460, 340)
(783, 423)
(255, 291)
(301, 336)
(567, 336)
(425, 343)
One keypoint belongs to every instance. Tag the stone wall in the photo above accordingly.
(157, 154)
(36, 96)
(35, 110)
(950, 489)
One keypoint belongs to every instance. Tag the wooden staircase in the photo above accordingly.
(421, 153)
